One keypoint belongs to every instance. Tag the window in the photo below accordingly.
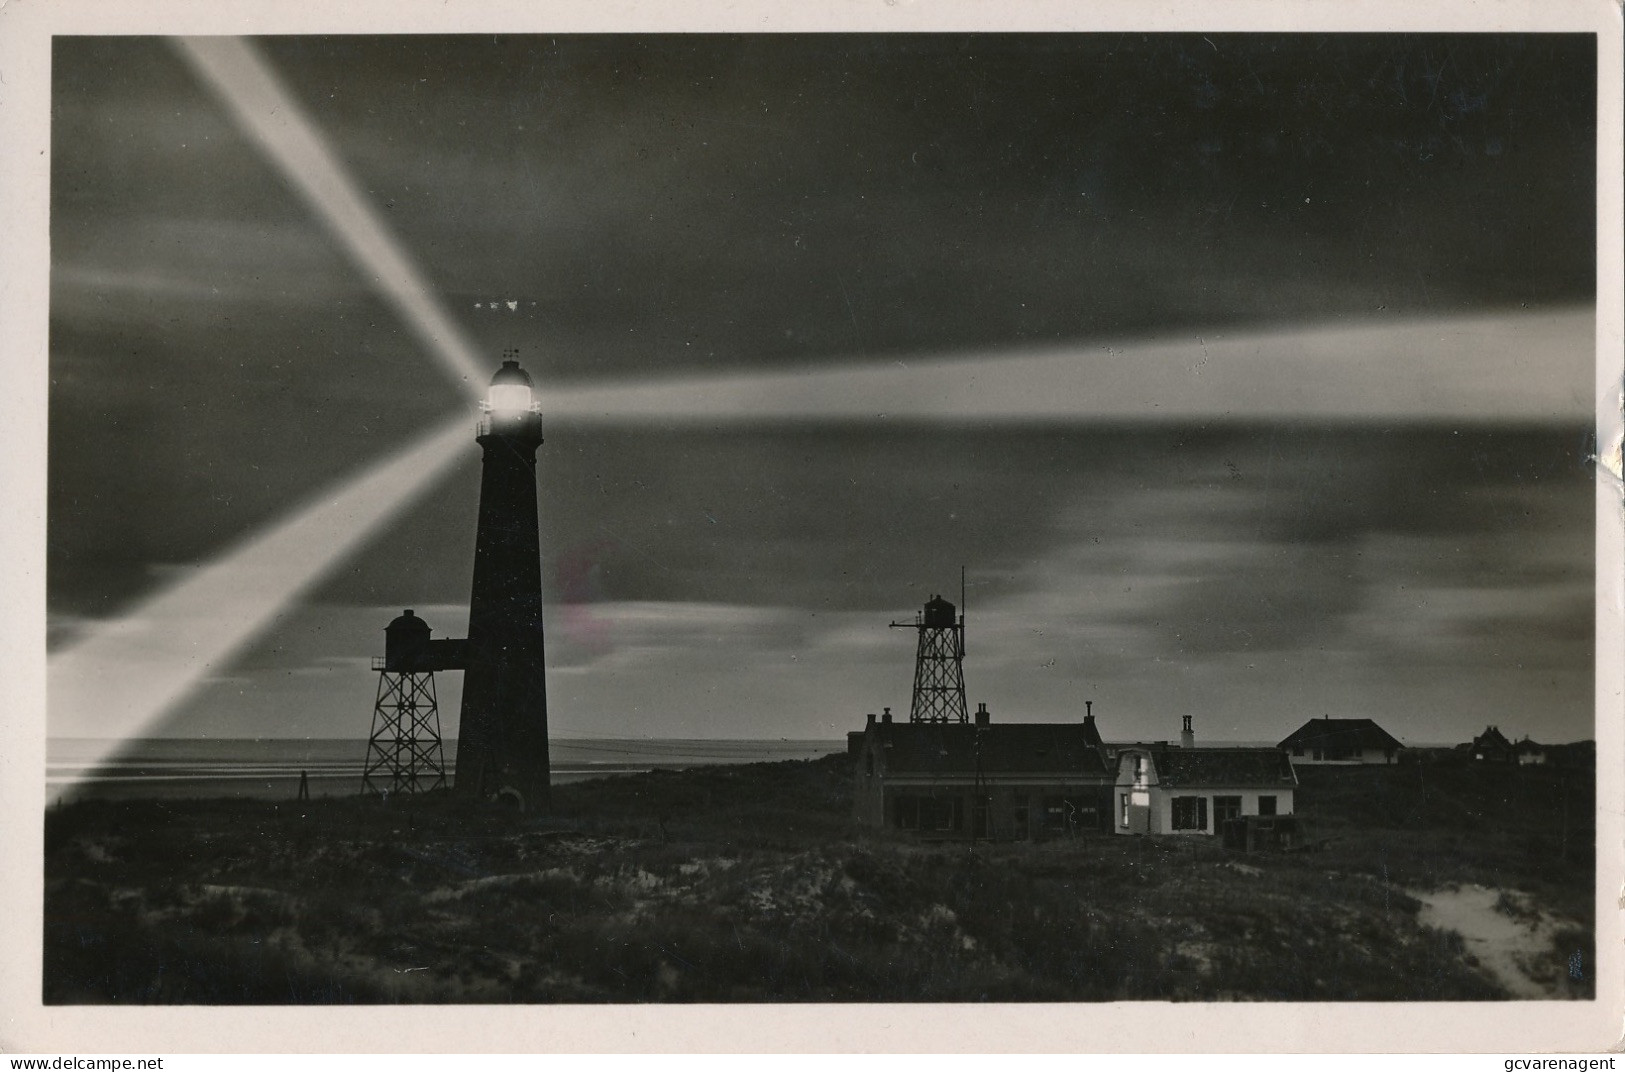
(1190, 813)
(1060, 816)
(906, 813)
(869, 761)
(947, 813)
(1266, 805)
(1020, 814)
(1123, 801)
(1224, 809)
(1297, 750)
(979, 816)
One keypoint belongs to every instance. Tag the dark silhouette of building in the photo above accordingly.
(502, 734)
(1346, 741)
(1009, 781)
(942, 775)
(1529, 754)
(1491, 746)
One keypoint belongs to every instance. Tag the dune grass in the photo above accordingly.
(750, 883)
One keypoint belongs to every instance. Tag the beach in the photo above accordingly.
(271, 768)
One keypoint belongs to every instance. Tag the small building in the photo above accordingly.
(1163, 790)
(1491, 746)
(1255, 833)
(1527, 753)
(1007, 781)
(1341, 741)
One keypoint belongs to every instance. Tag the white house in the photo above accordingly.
(1166, 790)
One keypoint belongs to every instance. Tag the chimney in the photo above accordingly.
(871, 719)
(1187, 736)
(885, 715)
(982, 716)
(1091, 735)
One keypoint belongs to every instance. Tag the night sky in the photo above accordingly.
(1294, 538)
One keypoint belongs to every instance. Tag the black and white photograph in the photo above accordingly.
(736, 518)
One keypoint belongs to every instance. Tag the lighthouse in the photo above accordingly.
(502, 733)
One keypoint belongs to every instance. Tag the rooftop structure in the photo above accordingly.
(1346, 741)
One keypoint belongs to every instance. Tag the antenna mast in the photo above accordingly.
(961, 611)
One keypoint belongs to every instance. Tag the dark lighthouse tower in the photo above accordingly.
(502, 736)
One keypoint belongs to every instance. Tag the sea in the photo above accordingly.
(270, 768)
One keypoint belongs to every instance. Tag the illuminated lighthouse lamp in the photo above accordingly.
(508, 405)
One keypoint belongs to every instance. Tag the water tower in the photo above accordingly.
(939, 663)
(404, 751)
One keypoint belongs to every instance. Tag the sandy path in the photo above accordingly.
(1496, 940)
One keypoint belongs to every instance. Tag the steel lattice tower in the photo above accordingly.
(404, 753)
(939, 664)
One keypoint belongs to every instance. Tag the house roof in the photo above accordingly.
(958, 747)
(1222, 768)
(1341, 734)
(1492, 737)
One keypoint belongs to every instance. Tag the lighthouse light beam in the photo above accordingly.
(122, 675)
(125, 673)
(249, 88)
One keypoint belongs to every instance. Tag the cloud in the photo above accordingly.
(915, 228)
(120, 268)
(1539, 626)
(63, 628)
(612, 636)
(834, 197)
